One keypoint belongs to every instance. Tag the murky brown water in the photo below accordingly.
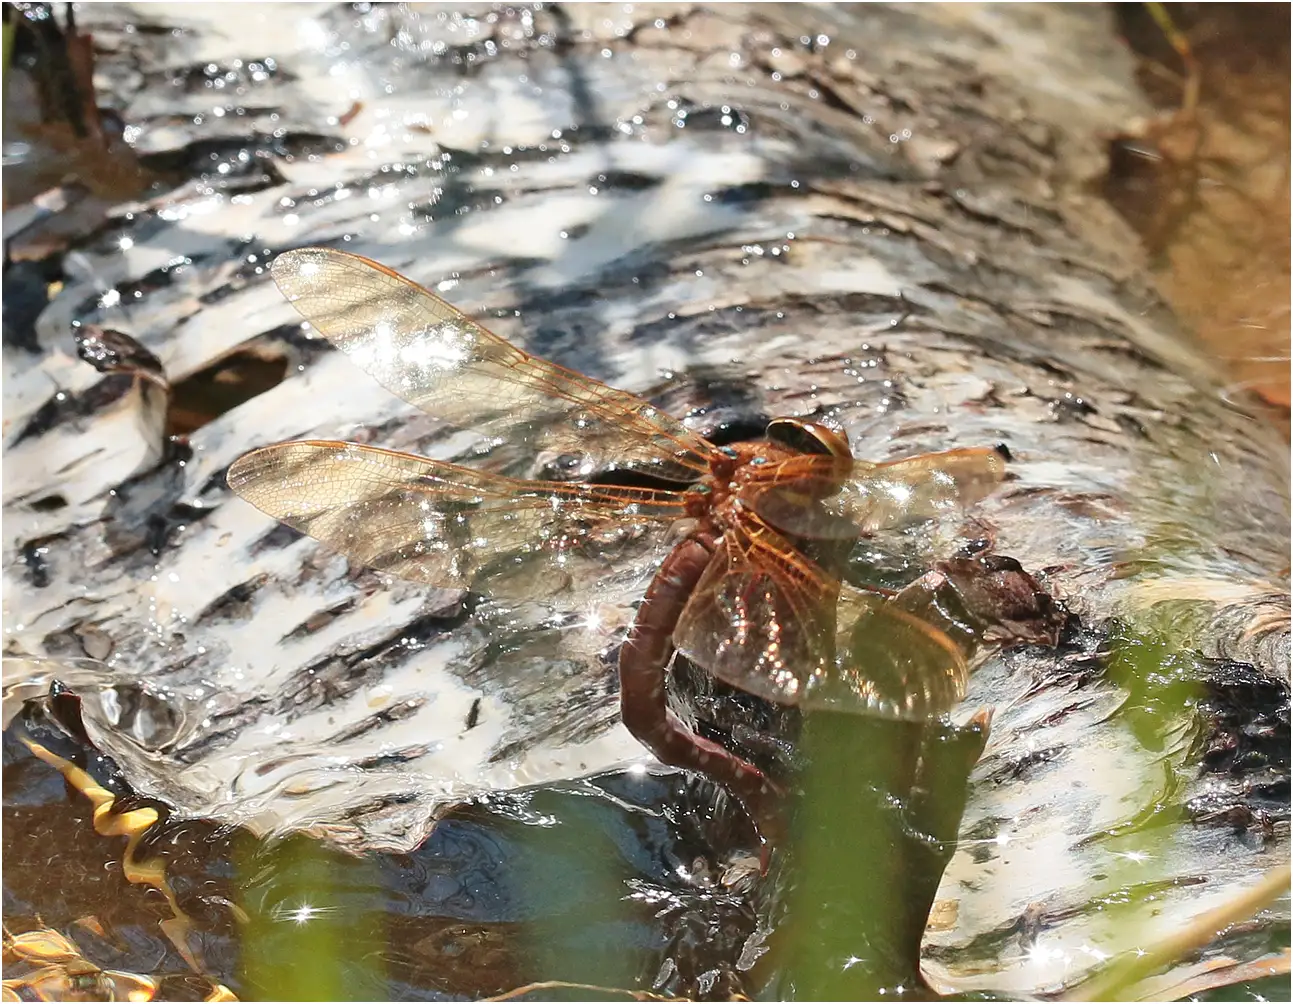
(1207, 186)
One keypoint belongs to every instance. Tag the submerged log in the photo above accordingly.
(879, 216)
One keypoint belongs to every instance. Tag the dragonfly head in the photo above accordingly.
(815, 439)
(809, 437)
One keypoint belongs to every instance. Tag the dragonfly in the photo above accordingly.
(743, 589)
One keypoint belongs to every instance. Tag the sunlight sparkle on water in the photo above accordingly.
(1042, 954)
(303, 914)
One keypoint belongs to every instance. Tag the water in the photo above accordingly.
(1206, 186)
(674, 232)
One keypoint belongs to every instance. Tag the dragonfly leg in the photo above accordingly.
(644, 660)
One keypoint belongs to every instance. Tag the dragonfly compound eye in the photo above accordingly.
(809, 437)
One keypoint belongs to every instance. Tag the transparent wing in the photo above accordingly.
(762, 618)
(437, 358)
(806, 499)
(451, 526)
(892, 662)
(916, 488)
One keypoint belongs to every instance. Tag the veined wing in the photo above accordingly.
(451, 526)
(434, 356)
(916, 488)
(807, 497)
(891, 661)
(762, 618)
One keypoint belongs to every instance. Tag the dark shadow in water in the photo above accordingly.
(592, 882)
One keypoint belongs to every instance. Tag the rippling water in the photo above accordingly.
(826, 212)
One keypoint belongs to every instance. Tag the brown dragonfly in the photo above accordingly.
(738, 592)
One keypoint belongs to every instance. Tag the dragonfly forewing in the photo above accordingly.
(435, 357)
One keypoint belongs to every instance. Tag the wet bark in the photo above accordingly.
(880, 216)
